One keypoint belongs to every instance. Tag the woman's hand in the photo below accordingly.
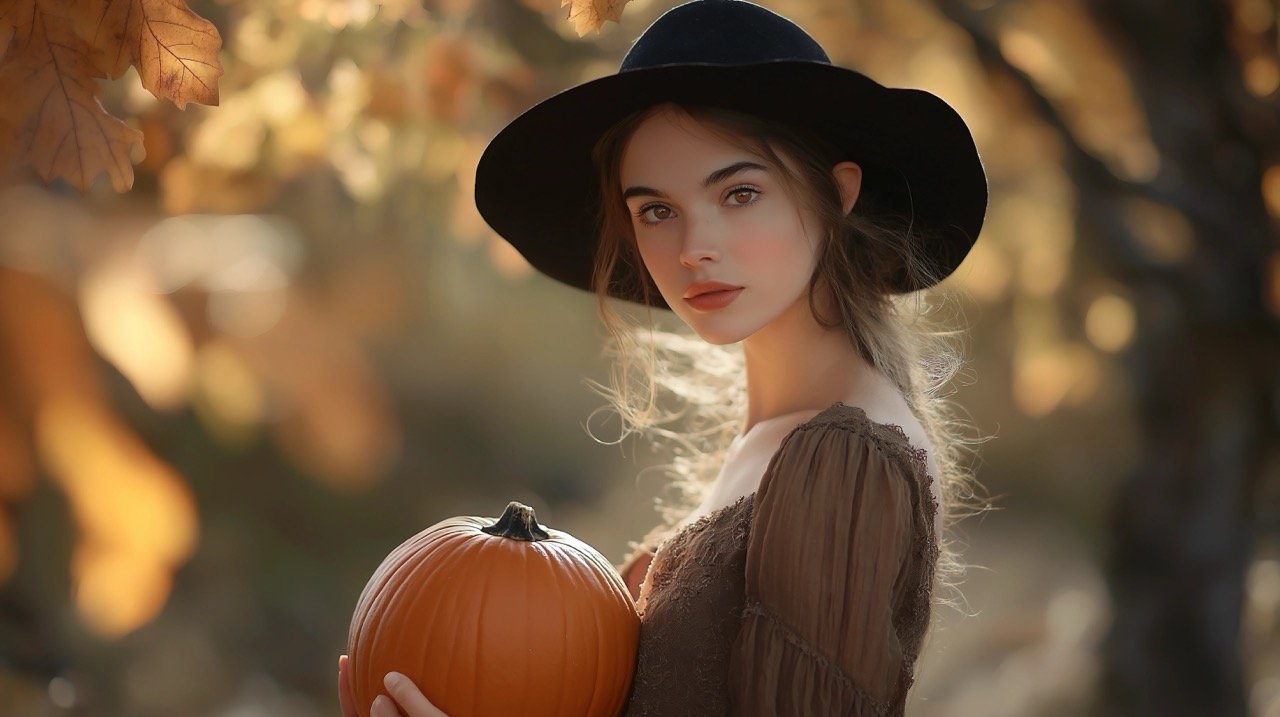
(408, 700)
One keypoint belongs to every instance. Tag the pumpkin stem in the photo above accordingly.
(518, 523)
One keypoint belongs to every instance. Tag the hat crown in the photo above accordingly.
(721, 32)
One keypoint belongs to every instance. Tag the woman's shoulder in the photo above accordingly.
(902, 442)
(887, 430)
(840, 420)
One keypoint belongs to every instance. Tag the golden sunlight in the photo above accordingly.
(132, 325)
(1253, 16)
(115, 593)
(1047, 376)
(509, 262)
(1061, 48)
(1110, 322)
(17, 465)
(136, 517)
(229, 399)
(1271, 190)
(985, 272)
(1272, 292)
(1262, 75)
(8, 547)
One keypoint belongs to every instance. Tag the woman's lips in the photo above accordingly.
(714, 299)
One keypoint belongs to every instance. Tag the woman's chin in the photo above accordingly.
(717, 335)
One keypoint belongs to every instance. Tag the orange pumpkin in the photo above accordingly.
(501, 617)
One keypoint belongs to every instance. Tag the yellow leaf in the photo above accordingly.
(590, 15)
(175, 50)
(51, 112)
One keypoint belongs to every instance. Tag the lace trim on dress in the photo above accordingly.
(704, 520)
(757, 608)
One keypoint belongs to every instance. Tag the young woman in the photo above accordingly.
(791, 210)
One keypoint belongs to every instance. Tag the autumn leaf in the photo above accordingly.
(52, 118)
(174, 49)
(6, 34)
(590, 15)
(53, 51)
(14, 14)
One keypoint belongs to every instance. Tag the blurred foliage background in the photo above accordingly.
(227, 393)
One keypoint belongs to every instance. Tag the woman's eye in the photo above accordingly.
(644, 215)
(738, 196)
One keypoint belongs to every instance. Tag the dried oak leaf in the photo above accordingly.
(174, 49)
(51, 117)
(6, 34)
(590, 15)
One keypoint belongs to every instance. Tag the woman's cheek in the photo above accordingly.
(660, 264)
(764, 250)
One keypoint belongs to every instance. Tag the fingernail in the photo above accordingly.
(392, 679)
(380, 700)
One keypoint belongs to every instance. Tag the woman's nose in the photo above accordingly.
(701, 244)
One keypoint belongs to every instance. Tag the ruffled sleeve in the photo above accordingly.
(829, 563)
(634, 568)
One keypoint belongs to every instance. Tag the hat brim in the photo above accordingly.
(536, 185)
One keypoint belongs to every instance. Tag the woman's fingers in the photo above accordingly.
(409, 697)
(409, 700)
(344, 689)
(384, 707)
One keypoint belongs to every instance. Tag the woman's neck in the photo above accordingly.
(794, 364)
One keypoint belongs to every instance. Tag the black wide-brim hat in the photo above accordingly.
(536, 185)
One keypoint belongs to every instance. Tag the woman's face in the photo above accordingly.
(705, 210)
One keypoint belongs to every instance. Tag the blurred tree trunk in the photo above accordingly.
(1205, 360)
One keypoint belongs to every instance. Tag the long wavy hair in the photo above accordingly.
(675, 388)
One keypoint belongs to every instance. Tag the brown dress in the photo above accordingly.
(810, 596)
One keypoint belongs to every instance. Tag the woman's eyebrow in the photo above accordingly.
(717, 176)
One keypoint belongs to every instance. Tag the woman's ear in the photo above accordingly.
(848, 176)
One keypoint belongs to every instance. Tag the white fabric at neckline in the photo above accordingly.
(738, 438)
